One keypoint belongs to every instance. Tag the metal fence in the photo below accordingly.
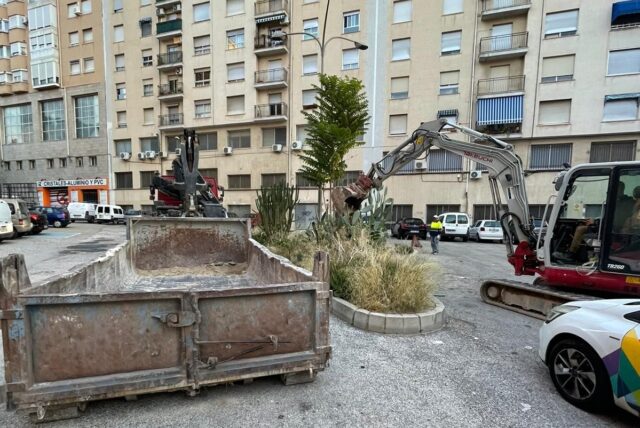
(503, 43)
(489, 5)
(500, 85)
(270, 76)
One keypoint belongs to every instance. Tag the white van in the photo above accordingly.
(20, 217)
(110, 213)
(6, 224)
(82, 211)
(455, 225)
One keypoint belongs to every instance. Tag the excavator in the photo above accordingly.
(590, 238)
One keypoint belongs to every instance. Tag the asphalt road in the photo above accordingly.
(481, 370)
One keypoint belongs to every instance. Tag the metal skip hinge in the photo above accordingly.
(176, 319)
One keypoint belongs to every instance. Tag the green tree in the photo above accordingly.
(333, 129)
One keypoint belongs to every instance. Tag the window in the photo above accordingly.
(4, 52)
(44, 73)
(549, 156)
(19, 165)
(73, 10)
(301, 133)
(74, 67)
(349, 177)
(450, 7)
(87, 35)
(554, 112)
(79, 162)
(269, 180)
(150, 144)
(145, 2)
(444, 161)
(235, 72)
(17, 21)
(400, 49)
(147, 88)
(397, 124)
(62, 162)
(209, 142)
(399, 87)
(41, 42)
(87, 116)
(147, 58)
(235, 7)
(449, 82)
(32, 164)
(235, 39)
(145, 27)
(450, 43)
(117, 6)
(85, 6)
(398, 212)
(302, 181)
(309, 98)
(239, 181)
(310, 64)
(50, 163)
(624, 62)
(235, 105)
(561, 24)
(118, 33)
(615, 151)
(203, 77)
(351, 22)
(124, 180)
(201, 45)
(18, 124)
(203, 108)
(53, 123)
(201, 12)
(557, 68)
(401, 11)
(20, 76)
(350, 60)
(74, 39)
(121, 91)
(4, 26)
(121, 119)
(147, 114)
(451, 116)
(239, 139)
(310, 26)
(18, 48)
(42, 17)
(620, 107)
(173, 143)
(146, 177)
(271, 136)
(93, 160)
(89, 65)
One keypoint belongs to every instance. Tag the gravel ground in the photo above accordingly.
(481, 370)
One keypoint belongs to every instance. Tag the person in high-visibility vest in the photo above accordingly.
(435, 228)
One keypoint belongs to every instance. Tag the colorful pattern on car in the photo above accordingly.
(623, 366)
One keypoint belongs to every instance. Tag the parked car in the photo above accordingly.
(454, 225)
(408, 227)
(592, 350)
(486, 230)
(6, 223)
(131, 213)
(39, 221)
(19, 216)
(82, 211)
(109, 213)
(56, 216)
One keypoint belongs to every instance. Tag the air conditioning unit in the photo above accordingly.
(420, 164)
(125, 155)
(228, 150)
(163, 155)
(296, 145)
(141, 156)
(150, 154)
(76, 9)
(178, 71)
(160, 12)
(177, 7)
(475, 175)
(178, 151)
(277, 148)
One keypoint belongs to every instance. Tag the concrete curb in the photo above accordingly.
(422, 322)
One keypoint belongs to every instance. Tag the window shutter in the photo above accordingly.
(400, 85)
(624, 61)
(402, 11)
(449, 77)
(558, 66)
(552, 112)
(398, 124)
(561, 22)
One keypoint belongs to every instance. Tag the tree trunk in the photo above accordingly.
(320, 202)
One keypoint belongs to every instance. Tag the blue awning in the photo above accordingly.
(625, 12)
(496, 111)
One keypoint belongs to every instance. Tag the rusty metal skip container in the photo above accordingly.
(183, 303)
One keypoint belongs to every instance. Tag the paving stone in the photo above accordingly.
(343, 309)
(411, 324)
(377, 322)
(395, 324)
(361, 319)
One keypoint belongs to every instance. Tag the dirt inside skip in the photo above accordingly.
(212, 269)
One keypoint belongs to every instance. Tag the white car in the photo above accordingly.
(486, 230)
(592, 350)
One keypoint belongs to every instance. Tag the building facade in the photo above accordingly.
(557, 79)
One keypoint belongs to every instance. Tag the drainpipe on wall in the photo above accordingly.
(471, 98)
(108, 103)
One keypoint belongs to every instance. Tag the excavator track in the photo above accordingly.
(534, 300)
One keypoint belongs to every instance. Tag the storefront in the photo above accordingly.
(59, 192)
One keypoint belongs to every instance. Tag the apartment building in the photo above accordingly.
(53, 131)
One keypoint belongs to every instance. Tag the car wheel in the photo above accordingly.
(91, 219)
(57, 223)
(466, 238)
(579, 375)
(73, 221)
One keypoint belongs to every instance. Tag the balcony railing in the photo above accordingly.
(491, 5)
(271, 6)
(170, 89)
(264, 41)
(271, 76)
(170, 58)
(503, 43)
(270, 110)
(169, 26)
(171, 119)
(500, 85)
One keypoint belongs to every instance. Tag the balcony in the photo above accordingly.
(271, 11)
(5, 89)
(264, 46)
(500, 115)
(170, 91)
(45, 83)
(169, 28)
(271, 79)
(500, 85)
(172, 120)
(271, 112)
(163, 3)
(503, 47)
(497, 9)
(170, 59)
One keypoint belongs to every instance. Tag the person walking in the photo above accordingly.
(435, 228)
